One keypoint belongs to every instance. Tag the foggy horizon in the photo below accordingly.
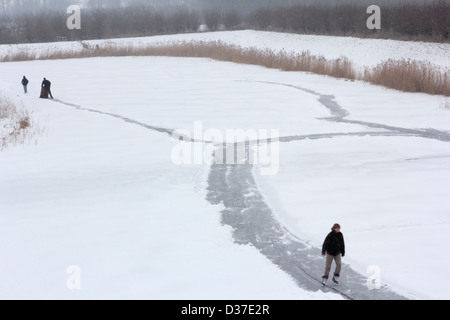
(243, 6)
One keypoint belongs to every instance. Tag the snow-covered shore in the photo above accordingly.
(362, 52)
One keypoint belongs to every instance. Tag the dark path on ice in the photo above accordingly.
(117, 116)
(339, 114)
(254, 223)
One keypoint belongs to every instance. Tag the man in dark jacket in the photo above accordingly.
(25, 84)
(334, 249)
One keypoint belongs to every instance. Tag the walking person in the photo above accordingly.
(334, 250)
(25, 84)
(45, 90)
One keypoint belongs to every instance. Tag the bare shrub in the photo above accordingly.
(24, 123)
(18, 56)
(16, 126)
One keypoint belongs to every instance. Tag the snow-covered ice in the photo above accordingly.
(103, 194)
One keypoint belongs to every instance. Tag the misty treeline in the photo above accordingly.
(399, 19)
(24, 21)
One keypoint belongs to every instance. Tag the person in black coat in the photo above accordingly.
(46, 89)
(25, 84)
(334, 249)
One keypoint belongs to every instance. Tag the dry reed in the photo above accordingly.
(404, 75)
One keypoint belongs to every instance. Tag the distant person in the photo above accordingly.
(44, 92)
(25, 84)
(46, 89)
(334, 249)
